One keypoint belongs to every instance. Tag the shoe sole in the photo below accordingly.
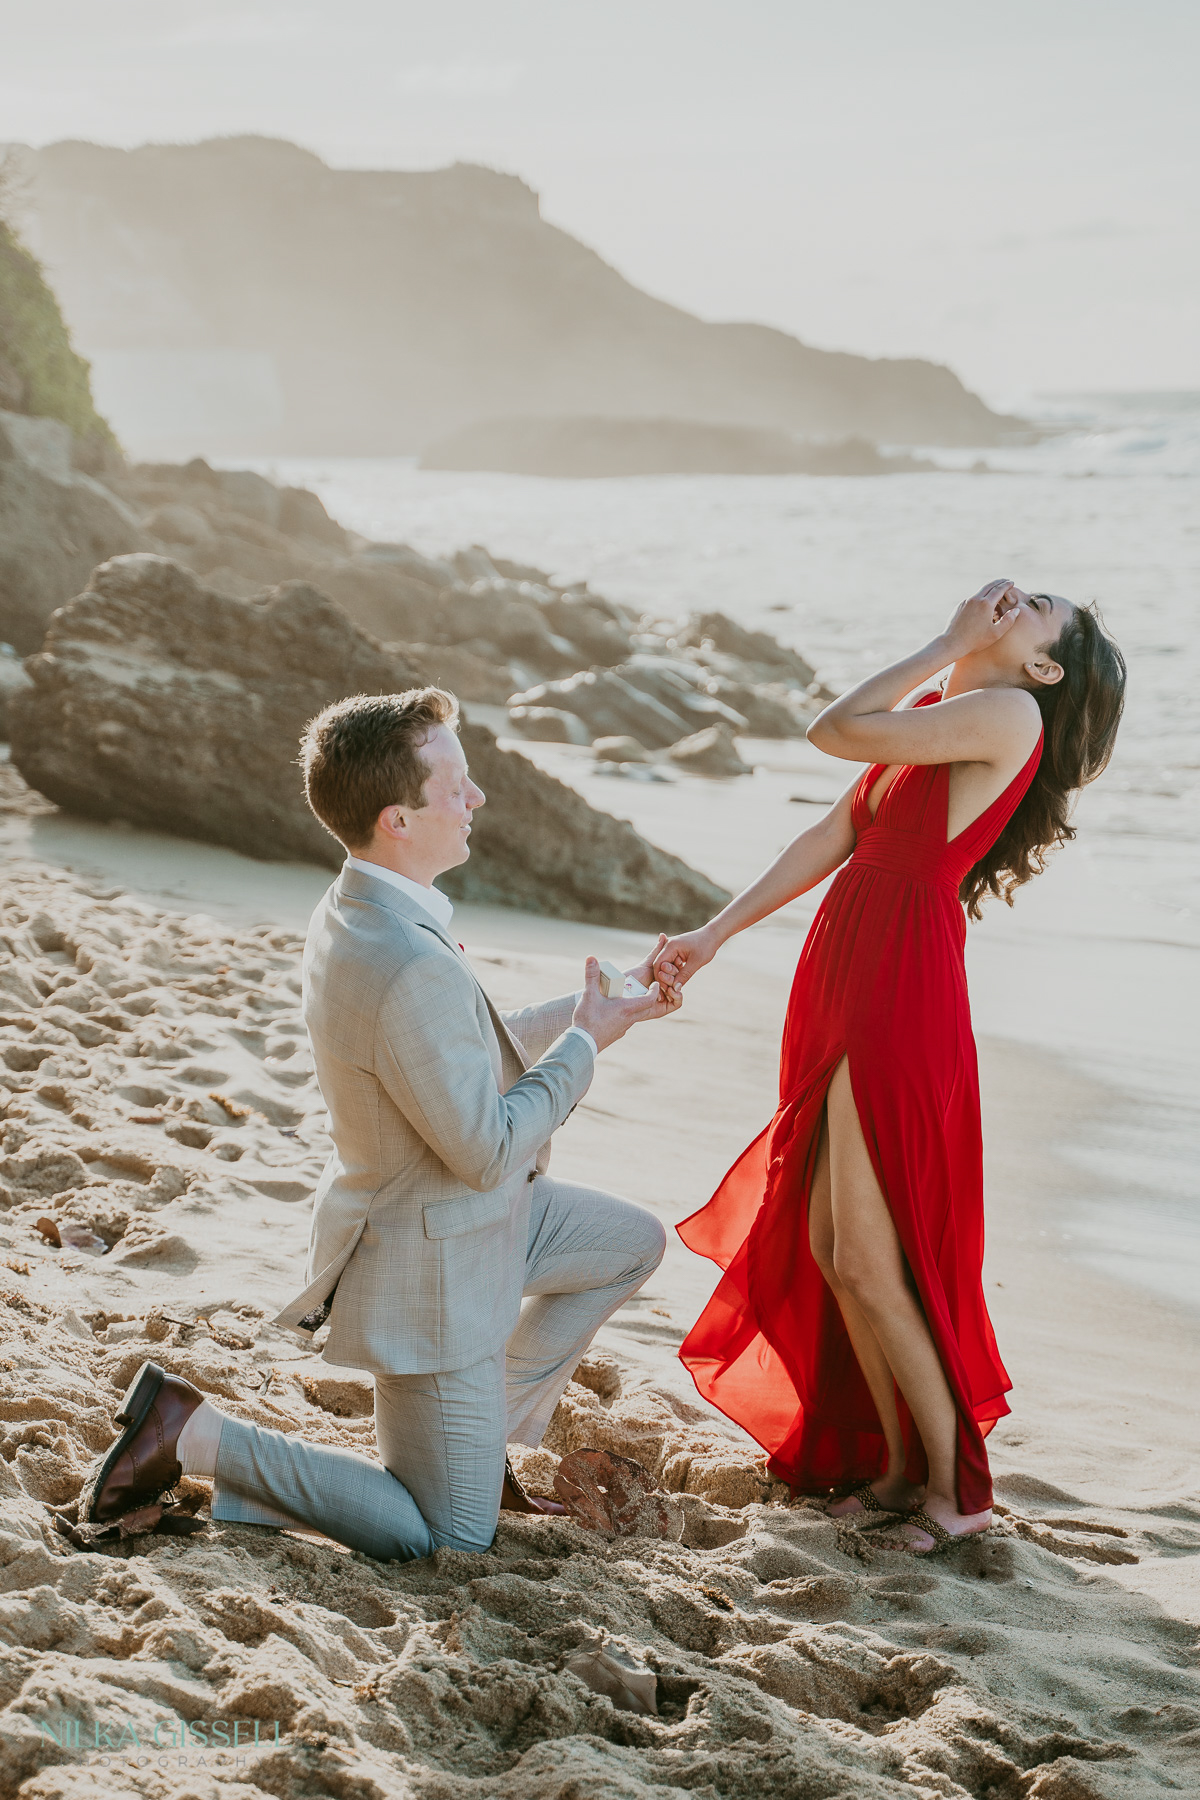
(139, 1397)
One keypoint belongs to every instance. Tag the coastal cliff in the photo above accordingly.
(370, 312)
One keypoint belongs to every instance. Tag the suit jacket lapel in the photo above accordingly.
(382, 893)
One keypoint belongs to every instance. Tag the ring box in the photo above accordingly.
(616, 985)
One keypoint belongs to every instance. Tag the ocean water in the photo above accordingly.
(1099, 962)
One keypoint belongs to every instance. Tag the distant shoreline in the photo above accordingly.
(590, 447)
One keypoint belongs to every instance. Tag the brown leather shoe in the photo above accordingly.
(142, 1464)
(513, 1497)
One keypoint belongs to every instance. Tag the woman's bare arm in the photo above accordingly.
(864, 725)
(807, 860)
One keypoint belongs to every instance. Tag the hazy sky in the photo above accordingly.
(1007, 188)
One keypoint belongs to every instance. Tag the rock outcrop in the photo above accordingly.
(491, 630)
(56, 524)
(759, 654)
(13, 680)
(659, 698)
(370, 312)
(710, 752)
(586, 448)
(161, 702)
(609, 706)
(481, 628)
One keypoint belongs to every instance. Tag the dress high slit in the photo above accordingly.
(881, 981)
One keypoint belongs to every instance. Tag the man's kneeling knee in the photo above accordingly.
(656, 1242)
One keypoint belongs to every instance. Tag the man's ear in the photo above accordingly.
(392, 822)
(1042, 669)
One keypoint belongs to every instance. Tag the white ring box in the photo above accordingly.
(616, 985)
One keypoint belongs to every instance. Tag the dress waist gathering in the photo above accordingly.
(904, 853)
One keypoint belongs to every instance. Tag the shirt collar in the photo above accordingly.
(439, 908)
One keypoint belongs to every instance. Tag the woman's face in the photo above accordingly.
(1023, 650)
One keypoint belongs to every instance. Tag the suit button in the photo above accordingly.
(532, 1175)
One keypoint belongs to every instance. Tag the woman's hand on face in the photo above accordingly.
(681, 957)
(982, 620)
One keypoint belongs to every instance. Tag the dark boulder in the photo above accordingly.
(245, 491)
(611, 707)
(427, 570)
(56, 524)
(537, 844)
(384, 599)
(471, 671)
(684, 687)
(508, 615)
(548, 725)
(619, 750)
(158, 701)
(302, 514)
(517, 571)
(710, 752)
(768, 658)
(13, 681)
(178, 709)
(594, 625)
(236, 503)
(770, 710)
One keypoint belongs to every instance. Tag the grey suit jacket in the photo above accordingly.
(441, 1111)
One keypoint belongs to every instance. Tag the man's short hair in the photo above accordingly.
(363, 753)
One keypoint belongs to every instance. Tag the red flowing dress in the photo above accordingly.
(881, 981)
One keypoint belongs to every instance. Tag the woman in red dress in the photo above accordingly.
(849, 1333)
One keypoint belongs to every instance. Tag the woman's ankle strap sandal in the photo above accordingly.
(869, 1500)
(942, 1538)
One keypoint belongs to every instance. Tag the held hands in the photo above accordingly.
(982, 620)
(679, 958)
(645, 973)
(609, 1019)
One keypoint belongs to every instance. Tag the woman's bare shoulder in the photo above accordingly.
(1014, 703)
(987, 724)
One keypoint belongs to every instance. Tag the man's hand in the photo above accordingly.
(608, 1020)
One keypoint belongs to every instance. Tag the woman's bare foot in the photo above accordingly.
(913, 1537)
(893, 1492)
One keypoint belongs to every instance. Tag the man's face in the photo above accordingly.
(434, 836)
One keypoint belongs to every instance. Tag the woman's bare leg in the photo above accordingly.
(869, 1262)
(891, 1488)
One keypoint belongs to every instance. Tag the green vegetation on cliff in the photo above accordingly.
(40, 373)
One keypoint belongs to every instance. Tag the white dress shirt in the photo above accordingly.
(440, 910)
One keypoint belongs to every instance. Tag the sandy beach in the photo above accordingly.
(160, 1112)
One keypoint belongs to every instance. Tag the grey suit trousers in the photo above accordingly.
(442, 1436)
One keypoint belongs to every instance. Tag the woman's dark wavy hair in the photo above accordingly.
(1080, 715)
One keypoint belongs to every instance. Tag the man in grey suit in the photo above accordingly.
(435, 1214)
